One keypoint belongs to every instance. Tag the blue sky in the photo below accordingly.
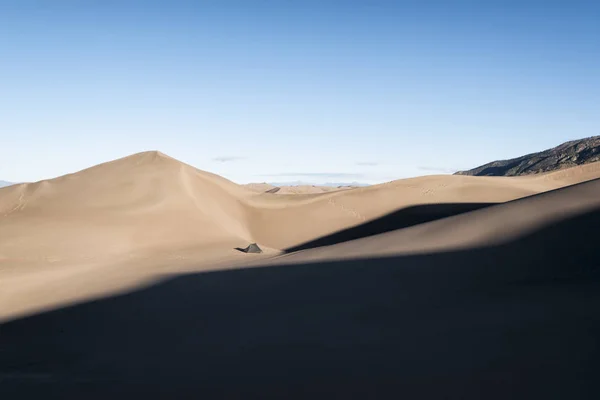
(315, 91)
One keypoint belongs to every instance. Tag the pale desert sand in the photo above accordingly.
(295, 189)
(121, 223)
(447, 295)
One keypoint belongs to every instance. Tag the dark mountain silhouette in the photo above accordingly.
(569, 154)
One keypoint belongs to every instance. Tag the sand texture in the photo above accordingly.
(123, 280)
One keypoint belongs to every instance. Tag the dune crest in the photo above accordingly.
(150, 202)
(145, 201)
(128, 221)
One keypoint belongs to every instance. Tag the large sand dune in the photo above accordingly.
(498, 302)
(151, 203)
(119, 224)
(147, 201)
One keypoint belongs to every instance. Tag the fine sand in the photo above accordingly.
(125, 222)
(124, 279)
(297, 189)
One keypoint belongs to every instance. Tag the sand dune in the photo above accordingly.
(132, 220)
(491, 225)
(259, 187)
(500, 302)
(293, 189)
(149, 203)
(310, 189)
(286, 221)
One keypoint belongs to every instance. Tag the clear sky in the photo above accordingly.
(317, 91)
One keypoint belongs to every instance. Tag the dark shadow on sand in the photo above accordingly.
(399, 219)
(516, 321)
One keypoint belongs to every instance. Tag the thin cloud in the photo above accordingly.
(367, 163)
(224, 159)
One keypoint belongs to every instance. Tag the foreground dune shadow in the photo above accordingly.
(518, 321)
(399, 219)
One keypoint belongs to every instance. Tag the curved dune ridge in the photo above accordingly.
(124, 223)
(149, 203)
(439, 304)
(145, 201)
(488, 226)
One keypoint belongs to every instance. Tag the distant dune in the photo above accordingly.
(120, 223)
(433, 287)
(150, 203)
(297, 188)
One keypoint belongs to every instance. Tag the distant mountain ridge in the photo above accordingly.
(328, 184)
(568, 154)
(300, 187)
(4, 184)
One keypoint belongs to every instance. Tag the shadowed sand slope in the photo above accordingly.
(403, 218)
(289, 221)
(498, 303)
(128, 222)
(150, 202)
(483, 226)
